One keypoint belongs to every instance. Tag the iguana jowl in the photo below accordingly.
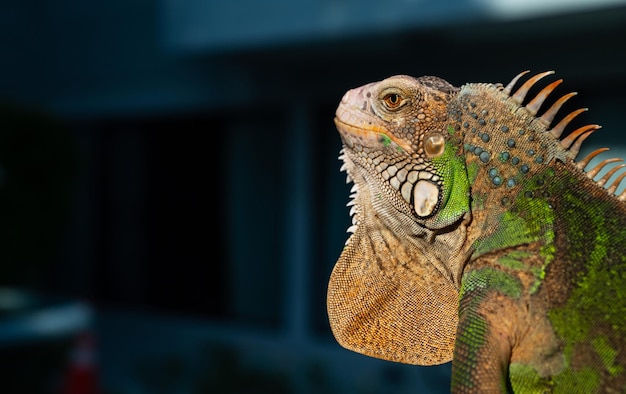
(478, 238)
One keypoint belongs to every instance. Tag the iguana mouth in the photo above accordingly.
(370, 135)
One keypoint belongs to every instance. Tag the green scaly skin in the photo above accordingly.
(507, 239)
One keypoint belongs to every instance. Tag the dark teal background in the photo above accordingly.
(173, 164)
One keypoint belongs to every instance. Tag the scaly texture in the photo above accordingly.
(478, 238)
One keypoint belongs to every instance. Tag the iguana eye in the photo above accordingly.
(434, 145)
(392, 100)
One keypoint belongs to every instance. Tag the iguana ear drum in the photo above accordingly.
(434, 145)
(425, 198)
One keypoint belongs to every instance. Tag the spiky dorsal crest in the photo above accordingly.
(573, 141)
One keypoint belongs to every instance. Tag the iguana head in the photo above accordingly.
(397, 141)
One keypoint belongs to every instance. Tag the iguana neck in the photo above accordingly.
(389, 267)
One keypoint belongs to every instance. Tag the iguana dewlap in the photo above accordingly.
(478, 238)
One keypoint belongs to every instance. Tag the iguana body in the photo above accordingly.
(478, 239)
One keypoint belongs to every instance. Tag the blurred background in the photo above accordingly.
(171, 204)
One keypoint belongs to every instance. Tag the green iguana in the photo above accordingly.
(478, 238)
